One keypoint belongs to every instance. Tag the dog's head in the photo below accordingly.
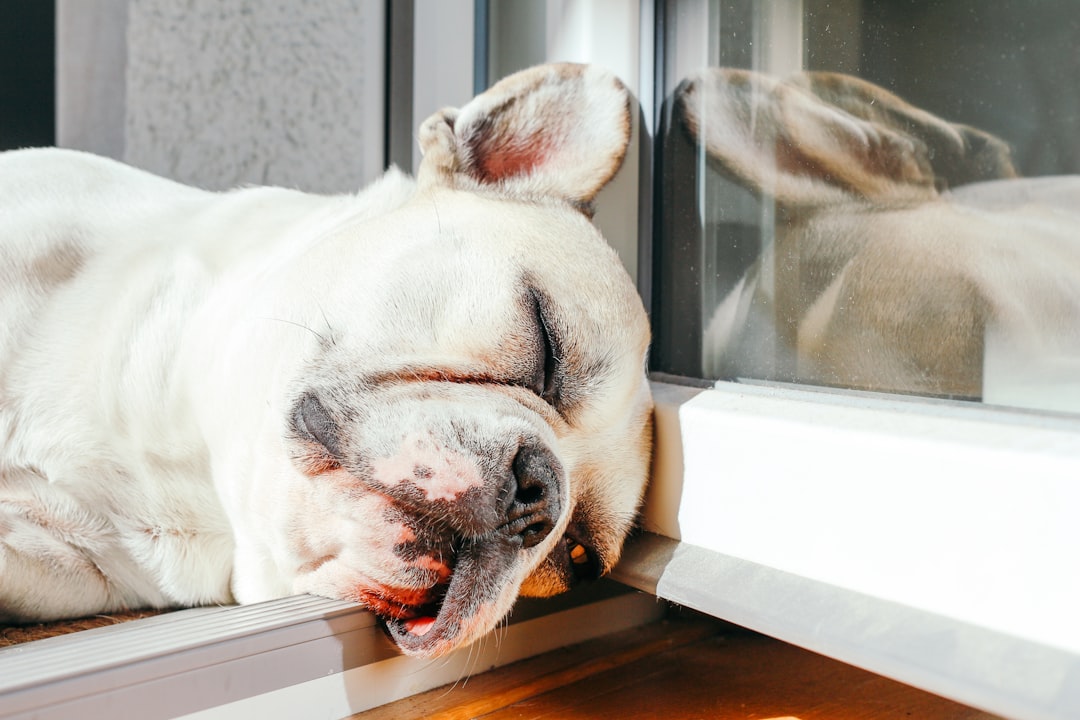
(470, 418)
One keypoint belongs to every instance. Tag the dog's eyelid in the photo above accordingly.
(544, 383)
(311, 420)
(551, 359)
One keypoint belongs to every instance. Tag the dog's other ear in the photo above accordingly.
(959, 154)
(557, 130)
(784, 139)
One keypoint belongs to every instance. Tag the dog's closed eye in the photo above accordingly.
(544, 380)
(312, 422)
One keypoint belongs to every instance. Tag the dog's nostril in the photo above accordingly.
(534, 505)
(535, 533)
(529, 495)
(535, 477)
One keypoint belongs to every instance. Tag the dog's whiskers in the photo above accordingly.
(449, 689)
(502, 628)
(476, 653)
(311, 330)
(464, 669)
(329, 328)
(438, 218)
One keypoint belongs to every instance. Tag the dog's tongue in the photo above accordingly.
(419, 626)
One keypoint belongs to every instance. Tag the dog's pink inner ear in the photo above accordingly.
(497, 159)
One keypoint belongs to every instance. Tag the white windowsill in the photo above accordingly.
(296, 657)
(931, 542)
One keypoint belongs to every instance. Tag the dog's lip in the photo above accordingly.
(401, 604)
(409, 629)
(434, 628)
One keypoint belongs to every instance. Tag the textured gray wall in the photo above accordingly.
(283, 92)
(91, 54)
(219, 93)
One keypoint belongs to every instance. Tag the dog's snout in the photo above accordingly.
(534, 505)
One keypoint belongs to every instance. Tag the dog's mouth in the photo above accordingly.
(415, 621)
(467, 602)
(465, 605)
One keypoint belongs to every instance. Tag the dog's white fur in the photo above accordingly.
(219, 397)
(908, 257)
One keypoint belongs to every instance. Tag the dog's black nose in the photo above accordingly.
(533, 495)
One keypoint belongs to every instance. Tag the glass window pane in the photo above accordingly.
(873, 194)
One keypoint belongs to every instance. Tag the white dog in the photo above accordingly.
(425, 398)
(908, 257)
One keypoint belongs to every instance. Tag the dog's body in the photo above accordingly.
(908, 257)
(424, 397)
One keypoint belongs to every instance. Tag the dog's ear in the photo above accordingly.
(557, 130)
(816, 138)
(959, 154)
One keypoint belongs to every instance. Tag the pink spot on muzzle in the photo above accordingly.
(440, 473)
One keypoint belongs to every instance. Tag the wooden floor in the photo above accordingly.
(681, 668)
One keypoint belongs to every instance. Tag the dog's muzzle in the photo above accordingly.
(472, 506)
(481, 549)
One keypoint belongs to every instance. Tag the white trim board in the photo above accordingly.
(295, 657)
(960, 520)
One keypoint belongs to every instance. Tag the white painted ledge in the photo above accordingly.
(296, 657)
(930, 542)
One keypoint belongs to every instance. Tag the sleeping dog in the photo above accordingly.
(428, 397)
(907, 257)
